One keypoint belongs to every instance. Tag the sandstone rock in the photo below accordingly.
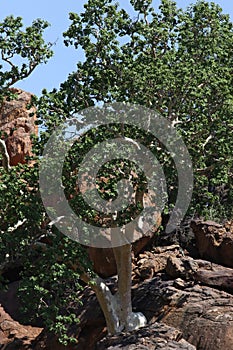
(155, 337)
(17, 124)
(184, 267)
(214, 241)
(203, 315)
(147, 264)
(13, 335)
(103, 261)
(202, 271)
(214, 275)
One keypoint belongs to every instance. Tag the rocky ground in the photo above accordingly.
(186, 296)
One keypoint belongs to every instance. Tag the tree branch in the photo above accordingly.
(7, 59)
(117, 308)
(207, 140)
(5, 155)
(107, 301)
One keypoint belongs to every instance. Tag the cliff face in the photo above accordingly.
(17, 125)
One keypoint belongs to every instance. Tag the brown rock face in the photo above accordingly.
(203, 315)
(13, 335)
(214, 242)
(17, 125)
(157, 336)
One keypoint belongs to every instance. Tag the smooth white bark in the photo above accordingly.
(117, 308)
(5, 155)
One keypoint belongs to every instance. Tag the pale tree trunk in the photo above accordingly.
(117, 308)
(124, 269)
(5, 155)
(128, 319)
(107, 302)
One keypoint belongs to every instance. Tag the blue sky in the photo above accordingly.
(56, 13)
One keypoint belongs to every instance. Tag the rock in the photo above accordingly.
(202, 271)
(179, 283)
(203, 315)
(214, 275)
(214, 241)
(17, 125)
(197, 314)
(103, 261)
(147, 264)
(184, 267)
(175, 267)
(13, 335)
(169, 249)
(157, 336)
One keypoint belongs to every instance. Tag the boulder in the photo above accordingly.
(214, 241)
(155, 337)
(203, 315)
(203, 271)
(17, 124)
(184, 267)
(216, 276)
(147, 264)
(13, 335)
